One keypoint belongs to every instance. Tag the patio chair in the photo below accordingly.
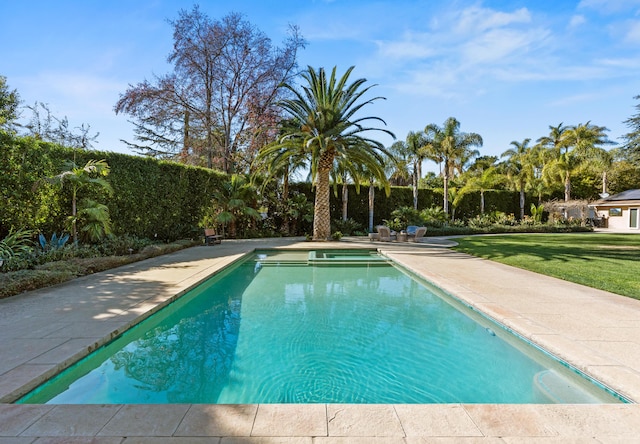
(411, 230)
(385, 234)
(211, 238)
(417, 235)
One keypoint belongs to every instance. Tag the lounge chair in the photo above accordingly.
(411, 230)
(417, 235)
(385, 234)
(211, 238)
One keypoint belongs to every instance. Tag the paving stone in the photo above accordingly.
(73, 420)
(266, 440)
(290, 420)
(217, 420)
(79, 440)
(363, 420)
(164, 440)
(436, 420)
(145, 420)
(510, 420)
(14, 419)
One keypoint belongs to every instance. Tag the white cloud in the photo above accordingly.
(446, 64)
(411, 47)
(577, 20)
(475, 19)
(632, 34)
(609, 6)
(499, 44)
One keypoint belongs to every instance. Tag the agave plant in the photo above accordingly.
(55, 243)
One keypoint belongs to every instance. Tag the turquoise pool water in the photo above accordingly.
(325, 326)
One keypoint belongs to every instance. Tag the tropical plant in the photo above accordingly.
(536, 213)
(434, 216)
(233, 203)
(450, 147)
(90, 175)
(15, 244)
(327, 129)
(412, 152)
(519, 168)
(482, 182)
(54, 243)
(297, 209)
(93, 219)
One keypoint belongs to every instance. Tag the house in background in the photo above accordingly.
(620, 211)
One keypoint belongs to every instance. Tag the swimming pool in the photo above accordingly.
(320, 326)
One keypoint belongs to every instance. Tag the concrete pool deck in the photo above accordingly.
(45, 330)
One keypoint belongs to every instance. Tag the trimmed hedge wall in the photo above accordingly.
(358, 205)
(165, 200)
(152, 199)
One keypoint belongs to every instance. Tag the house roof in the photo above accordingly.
(629, 197)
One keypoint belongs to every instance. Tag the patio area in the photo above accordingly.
(46, 330)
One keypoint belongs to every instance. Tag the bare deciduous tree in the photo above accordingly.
(218, 103)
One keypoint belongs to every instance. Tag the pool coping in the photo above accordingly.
(119, 300)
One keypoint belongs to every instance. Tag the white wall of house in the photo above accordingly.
(623, 221)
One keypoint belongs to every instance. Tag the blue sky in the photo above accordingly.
(505, 69)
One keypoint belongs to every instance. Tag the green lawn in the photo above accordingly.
(609, 262)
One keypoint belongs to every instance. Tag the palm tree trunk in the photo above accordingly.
(522, 203)
(372, 194)
(285, 200)
(481, 201)
(567, 187)
(445, 205)
(74, 212)
(345, 200)
(414, 183)
(322, 211)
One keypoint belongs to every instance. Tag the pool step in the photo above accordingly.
(559, 389)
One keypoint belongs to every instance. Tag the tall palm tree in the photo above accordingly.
(398, 166)
(327, 129)
(587, 141)
(519, 168)
(416, 146)
(450, 147)
(556, 141)
(572, 148)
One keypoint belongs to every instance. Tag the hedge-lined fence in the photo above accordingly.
(165, 200)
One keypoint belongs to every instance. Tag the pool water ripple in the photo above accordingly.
(305, 334)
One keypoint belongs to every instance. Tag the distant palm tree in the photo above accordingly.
(398, 166)
(450, 147)
(572, 148)
(484, 181)
(416, 144)
(327, 129)
(556, 141)
(519, 168)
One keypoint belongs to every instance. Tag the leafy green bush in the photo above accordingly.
(346, 227)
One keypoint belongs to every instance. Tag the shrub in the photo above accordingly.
(346, 227)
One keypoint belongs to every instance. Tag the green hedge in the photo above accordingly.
(165, 200)
(151, 198)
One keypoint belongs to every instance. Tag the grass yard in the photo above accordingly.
(609, 262)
